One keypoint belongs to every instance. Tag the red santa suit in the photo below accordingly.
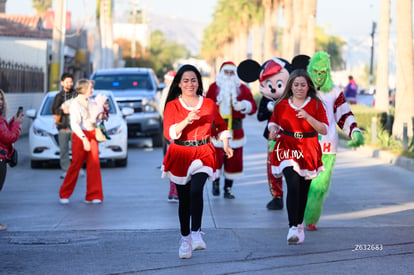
(233, 105)
(298, 145)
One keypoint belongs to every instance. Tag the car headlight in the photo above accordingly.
(115, 130)
(41, 132)
(149, 105)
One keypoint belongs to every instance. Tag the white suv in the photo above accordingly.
(135, 88)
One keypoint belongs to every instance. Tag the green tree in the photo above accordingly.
(160, 57)
(41, 6)
(226, 36)
(333, 46)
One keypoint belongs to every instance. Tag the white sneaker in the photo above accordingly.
(81, 173)
(292, 237)
(64, 201)
(197, 240)
(185, 248)
(301, 234)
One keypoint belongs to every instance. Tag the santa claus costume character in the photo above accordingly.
(191, 158)
(339, 114)
(298, 117)
(234, 101)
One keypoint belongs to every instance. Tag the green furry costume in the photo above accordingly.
(339, 114)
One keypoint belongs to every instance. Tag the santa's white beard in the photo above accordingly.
(227, 94)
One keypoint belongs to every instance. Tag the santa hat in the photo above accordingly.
(228, 65)
(170, 75)
(271, 67)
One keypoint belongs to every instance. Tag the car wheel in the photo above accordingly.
(157, 140)
(35, 164)
(121, 162)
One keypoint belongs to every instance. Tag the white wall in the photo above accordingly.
(30, 52)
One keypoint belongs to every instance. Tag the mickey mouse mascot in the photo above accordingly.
(273, 76)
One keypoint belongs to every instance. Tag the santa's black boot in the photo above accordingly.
(275, 204)
(216, 187)
(227, 189)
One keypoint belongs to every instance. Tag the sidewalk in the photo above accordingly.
(388, 157)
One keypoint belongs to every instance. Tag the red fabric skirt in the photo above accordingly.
(180, 162)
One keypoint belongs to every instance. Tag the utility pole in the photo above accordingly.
(371, 66)
(134, 28)
(58, 44)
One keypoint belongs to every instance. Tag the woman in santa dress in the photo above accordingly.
(299, 116)
(191, 158)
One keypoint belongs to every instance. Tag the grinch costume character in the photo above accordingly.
(339, 114)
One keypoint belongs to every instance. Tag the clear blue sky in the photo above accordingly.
(351, 18)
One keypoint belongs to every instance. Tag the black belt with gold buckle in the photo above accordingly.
(300, 135)
(192, 143)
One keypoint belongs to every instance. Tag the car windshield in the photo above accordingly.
(123, 82)
(47, 106)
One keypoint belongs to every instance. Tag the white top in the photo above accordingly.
(79, 118)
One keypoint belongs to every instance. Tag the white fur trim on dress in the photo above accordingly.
(173, 132)
(195, 167)
(307, 174)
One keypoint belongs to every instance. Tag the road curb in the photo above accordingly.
(385, 156)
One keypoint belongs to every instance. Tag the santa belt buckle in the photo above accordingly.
(191, 143)
(298, 135)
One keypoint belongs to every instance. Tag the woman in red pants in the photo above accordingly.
(84, 147)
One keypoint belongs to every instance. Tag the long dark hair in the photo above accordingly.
(288, 89)
(175, 90)
(3, 112)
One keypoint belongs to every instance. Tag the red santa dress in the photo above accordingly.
(298, 144)
(182, 161)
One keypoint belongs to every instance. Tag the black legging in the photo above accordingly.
(3, 172)
(297, 195)
(190, 197)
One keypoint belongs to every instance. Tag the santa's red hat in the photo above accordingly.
(170, 75)
(228, 65)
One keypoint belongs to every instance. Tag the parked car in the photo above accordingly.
(136, 88)
(43, 134)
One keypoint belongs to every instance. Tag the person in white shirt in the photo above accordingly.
(84, 146)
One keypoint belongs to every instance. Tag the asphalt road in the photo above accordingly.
(366, 227)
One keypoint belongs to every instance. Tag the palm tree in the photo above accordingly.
(381, 96)
(268, 23)
(287, 45)
(257, 36)
(308, 28)
(404, 102)
(41, 6)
